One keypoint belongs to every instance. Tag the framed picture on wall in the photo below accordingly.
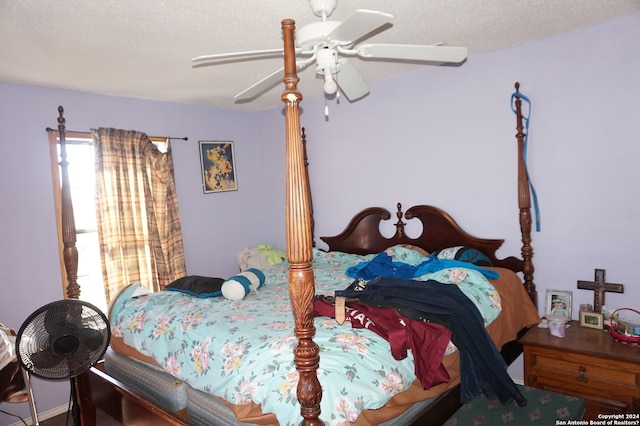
(559, 303)
(217, 162)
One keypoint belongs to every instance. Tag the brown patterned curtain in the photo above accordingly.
(137, 212)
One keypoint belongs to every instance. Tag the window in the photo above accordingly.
(81, 169)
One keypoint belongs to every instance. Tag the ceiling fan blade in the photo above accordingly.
(413, 52)
(361, 23)
(260, 87)
(269, 82)
(238, 55)
(351, 82)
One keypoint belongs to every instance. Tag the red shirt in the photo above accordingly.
(427, 340)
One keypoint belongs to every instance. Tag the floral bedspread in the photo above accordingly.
(242, 351)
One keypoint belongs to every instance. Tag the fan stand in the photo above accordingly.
(32, 402)
(75, 407)
(68, 330)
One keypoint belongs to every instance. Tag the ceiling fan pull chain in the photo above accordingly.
(326, 108)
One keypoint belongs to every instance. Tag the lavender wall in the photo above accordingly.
(215, 226)
(445, 136)
(442, 136)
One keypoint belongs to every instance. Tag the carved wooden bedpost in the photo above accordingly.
(524, 203)
(79, 384)
(299, 242)
(68, 225)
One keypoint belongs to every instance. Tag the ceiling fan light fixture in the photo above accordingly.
(328, 42)
(326, 66)
(330, 86)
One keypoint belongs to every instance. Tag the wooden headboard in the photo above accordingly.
(439, 230)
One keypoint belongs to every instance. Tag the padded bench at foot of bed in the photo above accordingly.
(543, 408)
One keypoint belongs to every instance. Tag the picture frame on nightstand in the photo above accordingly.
(591, 320)
(558, 303)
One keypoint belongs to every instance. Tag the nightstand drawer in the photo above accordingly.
(588, 364)
(585, 371)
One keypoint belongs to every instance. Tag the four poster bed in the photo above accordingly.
(350, 371)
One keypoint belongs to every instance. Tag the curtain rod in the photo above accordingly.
(49, 129)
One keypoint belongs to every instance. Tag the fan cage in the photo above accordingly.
(62, 339)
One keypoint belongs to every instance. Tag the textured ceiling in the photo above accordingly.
(143, 48)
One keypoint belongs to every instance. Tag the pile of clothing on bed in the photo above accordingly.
(423, 316)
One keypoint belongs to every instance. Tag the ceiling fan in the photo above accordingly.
(327, 43)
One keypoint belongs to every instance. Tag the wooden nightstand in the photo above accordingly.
(587, 363)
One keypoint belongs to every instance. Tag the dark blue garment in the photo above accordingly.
(383, 266)
(482, 368)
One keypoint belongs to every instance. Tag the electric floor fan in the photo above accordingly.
(62, 340)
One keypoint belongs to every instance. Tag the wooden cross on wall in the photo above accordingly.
(599, 287)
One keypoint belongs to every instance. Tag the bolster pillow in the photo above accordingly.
(238, 286)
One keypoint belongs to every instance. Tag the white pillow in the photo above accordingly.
(239, 286)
